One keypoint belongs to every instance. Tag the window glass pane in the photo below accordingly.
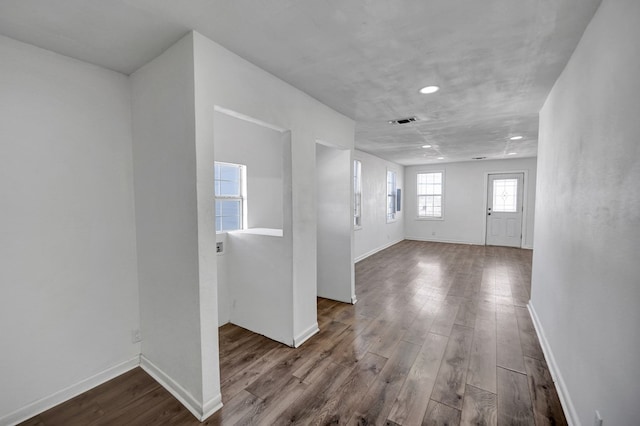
(505, 195)
(230, 172)
(228, 215)
(229, 189)
(228, 180)
(391, 195)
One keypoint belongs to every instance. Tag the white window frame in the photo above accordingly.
(392, 193)
(357, 194)
(442, 196)
(242, 197)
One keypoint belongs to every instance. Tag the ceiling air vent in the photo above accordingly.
(478, 158)
(403, 120)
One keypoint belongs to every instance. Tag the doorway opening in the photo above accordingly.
(334, 195)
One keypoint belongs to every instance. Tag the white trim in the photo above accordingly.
(445, 240)
(442, 197)
(211, 406)
(250, 119)
(69, 392)
(395, 195)
(525, 183)
(305, 335)
(354, 300)
(242, 197)
(375, 250)
(200, 411)
(558, 381)
(353, 193)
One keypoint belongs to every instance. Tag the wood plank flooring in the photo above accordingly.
(440, 336)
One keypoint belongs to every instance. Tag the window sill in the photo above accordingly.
(429, 218)
(269, 232)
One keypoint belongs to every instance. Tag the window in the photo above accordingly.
(229, 194)
(391, 195)
(429, 194)
(505, 195)
(357, 194)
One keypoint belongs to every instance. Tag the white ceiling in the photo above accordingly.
(495, 60)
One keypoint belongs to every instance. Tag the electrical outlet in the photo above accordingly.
(219, 247)
(597, 421)
(136, 336)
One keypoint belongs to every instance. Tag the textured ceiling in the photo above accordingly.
(495, 60)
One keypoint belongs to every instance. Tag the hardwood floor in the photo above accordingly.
(440, 336)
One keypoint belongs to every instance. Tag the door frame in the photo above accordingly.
(348, 152)
(525, 195)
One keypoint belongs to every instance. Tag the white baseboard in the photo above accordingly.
(354, 300)
(67, 393)
(558, 381)
(374, 251)
(444, 240)
(211, 406)
(305, 335)
(200, 411)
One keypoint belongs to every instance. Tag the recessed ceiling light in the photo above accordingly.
(516, 138)
(512, 153)
(429, 89)
(440, 158)
(426, 146)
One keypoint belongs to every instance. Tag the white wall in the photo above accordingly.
(376, 234)
(259, 284)
(465, 192)
(69, 297)
(223, 299)
(586, 269)
(226, 80)
(177, 271)
(335, 216)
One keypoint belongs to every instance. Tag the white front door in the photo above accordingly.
(504, 209)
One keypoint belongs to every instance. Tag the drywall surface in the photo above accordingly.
(224, 303)
(224, 79)
(465, 192)
(335, 215)
(68, 253)
(586, 269)
(375, 233)
(259, 284)
(177, 275)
